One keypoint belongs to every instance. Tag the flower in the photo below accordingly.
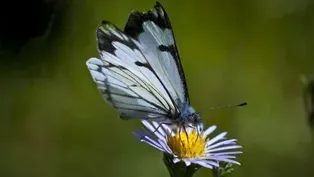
(190, 146)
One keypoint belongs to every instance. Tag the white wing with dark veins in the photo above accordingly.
(139, 71)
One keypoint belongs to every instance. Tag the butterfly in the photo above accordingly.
(139, 71)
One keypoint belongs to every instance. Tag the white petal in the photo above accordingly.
(152, 141)
(219, 158)
(167, 129)
(160, 130)
(152, 144)
(203, 163)
(221, 143)
(176, 160)
(212, 163)
(224, 157)
(187, 162)
(156, 132)
(218, 137)
(151, 128)
(148, 125)
(226, 153)
(224, 148)
(230, 161)
(209, 130)
(165, 146)
(189, 129)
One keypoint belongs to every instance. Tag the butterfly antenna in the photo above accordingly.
(228, 106)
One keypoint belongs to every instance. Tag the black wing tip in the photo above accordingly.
(105, 24)
(158, 4)
(157, 7)
(104, 36)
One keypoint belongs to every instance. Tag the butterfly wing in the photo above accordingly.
(139, 71)
(153, 29)
(126, 79)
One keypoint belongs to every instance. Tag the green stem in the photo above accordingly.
(224, 169)
(179, 169)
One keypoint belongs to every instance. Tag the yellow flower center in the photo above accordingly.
(189, 145)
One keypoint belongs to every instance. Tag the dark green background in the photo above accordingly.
(54, 122)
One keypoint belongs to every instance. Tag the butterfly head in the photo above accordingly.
(196, 120)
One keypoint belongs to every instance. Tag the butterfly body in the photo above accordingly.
(189, 116)
(139, 70)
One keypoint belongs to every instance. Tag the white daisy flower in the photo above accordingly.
(190, 146)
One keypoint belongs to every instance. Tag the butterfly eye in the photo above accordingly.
(194, 118)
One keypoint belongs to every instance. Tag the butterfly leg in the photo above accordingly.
(187, 138)
(186, 133)
(197, 131)
(182, 142)
(162, 123)
(158, 127)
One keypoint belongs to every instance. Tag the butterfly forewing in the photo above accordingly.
(139, 70)
(153, 30)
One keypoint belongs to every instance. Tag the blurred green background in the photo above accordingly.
(54, 122)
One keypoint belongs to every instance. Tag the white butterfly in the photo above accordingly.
(139, 70)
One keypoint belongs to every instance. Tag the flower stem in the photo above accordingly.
(179, 169)
(223, 170)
